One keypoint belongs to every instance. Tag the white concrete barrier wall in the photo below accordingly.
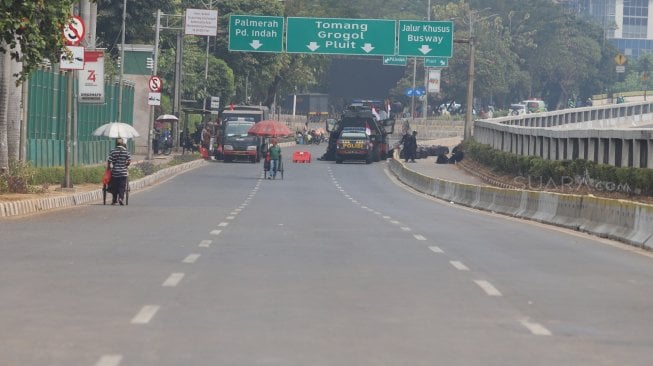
(626, 221)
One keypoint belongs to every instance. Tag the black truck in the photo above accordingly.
(357, 119)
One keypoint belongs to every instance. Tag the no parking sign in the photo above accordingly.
(74, 31)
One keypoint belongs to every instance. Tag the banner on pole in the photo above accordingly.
(91, 79)
(434, 81)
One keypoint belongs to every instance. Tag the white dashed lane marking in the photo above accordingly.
(419, 237)
(535, 328)
(230, 217)
(173, 280)
(459, 266)
(394, 222)
(109, 360)
(436, 250)
(192, 258)
(405, 228)
(206, 243)
(146, 314)
(223, 224)
(216, 232)
(488, 288)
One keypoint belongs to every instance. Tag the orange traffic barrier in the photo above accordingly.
(301, 157)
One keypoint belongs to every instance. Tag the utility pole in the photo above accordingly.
(122, 59)
(150, 129)
(426, 74)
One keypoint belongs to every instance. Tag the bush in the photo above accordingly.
(639, 180)
(17, 178)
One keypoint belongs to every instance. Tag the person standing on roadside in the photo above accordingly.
(118, 161)
(275, 157)
(411, 147)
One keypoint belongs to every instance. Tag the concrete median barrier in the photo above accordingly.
(625, 221)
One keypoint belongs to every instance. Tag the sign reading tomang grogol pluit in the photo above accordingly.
(341, 36)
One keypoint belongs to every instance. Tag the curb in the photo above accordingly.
(25, 207)
(620, 220)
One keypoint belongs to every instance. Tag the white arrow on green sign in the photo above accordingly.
(341, 36)
(436, 61)
(425, 38)
(253, 33)
(395, 60)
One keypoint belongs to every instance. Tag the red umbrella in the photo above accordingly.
(269, 128)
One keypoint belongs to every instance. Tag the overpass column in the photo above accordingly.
(591, 149)
(612, 157)
(636, 152)
(545, 148)
(649, 153)
(531, 145)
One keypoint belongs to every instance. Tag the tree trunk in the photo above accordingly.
(13, 110)
(5, 80)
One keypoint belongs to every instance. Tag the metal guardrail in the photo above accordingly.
(614, 134)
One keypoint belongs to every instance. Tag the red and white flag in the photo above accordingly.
(375, 113)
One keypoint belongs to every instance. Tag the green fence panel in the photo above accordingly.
(46, 120)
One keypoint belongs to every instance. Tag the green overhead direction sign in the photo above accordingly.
(425, 38)
(395, 60)
(254, 33)
(436, 61)
(341, 36)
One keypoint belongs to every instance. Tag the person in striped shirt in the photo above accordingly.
(118, 162)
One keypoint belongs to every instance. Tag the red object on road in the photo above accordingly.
(204, 153)
(301, 157)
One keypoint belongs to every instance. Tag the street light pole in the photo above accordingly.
(122, 59)
(426, 73)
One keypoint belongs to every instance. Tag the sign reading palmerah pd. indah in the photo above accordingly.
(255, 33)
(425, 38)
(341, 36)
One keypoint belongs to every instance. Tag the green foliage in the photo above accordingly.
(639, 180)
(17, 178)
(34, 28)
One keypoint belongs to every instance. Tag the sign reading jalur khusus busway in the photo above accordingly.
(341, 36)
(425, 38)
(255, 33)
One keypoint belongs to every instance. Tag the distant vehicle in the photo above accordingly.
(359, 118)
(527, 106)
(518, 109)
(354, 144)
(254, 112)
(534, 105)
(236, 143)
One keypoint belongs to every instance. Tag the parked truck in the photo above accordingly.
(314, 106)
(233, 140)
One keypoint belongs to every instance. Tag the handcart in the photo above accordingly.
(106, 188)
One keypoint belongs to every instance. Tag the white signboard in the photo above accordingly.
(154, 99)
(215, 105)
(74, 61)
(201, 22)
(91, 79)
(434, 81)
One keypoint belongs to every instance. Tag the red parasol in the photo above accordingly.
(270, 128)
